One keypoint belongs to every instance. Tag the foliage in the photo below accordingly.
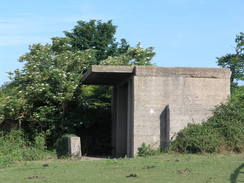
(15, 146)
(99, 36)
(197, 138)
(47, 95)
(223, 131)
(134, 56)
(238, 94)
(240, 43)
(147, 150)
(40, 141)
(235, 62)
(45, 89)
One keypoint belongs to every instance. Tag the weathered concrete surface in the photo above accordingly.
(190, 100)
(74, 146)
(154, 103)
(181, 71)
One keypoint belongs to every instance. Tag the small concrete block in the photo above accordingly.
(74, 146)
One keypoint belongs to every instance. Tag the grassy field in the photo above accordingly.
(163, 168)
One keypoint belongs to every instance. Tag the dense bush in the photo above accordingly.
(147, 150)
(224, 131)
(14, 146)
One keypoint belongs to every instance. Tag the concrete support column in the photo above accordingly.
(114, 122)
(130, 126)
(121, 120)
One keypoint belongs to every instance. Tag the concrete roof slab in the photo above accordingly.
(113, 75)
(107, 75)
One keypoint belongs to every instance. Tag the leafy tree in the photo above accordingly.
(99, 36)
(47, 96)
(240, 43)
(133, 56)
(235, 62)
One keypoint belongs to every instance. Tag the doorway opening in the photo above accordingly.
(120, 123)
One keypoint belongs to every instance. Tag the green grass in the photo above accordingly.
(162, 168)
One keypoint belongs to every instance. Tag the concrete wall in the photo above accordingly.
(189, 94)
(152, 104)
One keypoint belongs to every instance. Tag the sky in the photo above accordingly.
(185, 33)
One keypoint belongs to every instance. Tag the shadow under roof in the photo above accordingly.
(107, 75)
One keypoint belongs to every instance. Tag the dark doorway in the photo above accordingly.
(95, 133)
(120, 78)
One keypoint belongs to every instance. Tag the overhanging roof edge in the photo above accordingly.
(106, 74)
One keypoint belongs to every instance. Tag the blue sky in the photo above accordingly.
(189, 33)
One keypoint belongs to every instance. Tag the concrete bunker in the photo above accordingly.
(152, 104)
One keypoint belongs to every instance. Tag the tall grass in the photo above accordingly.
(14, 146)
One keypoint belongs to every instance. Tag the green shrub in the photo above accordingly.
(223, 131)
(14, 146)
(40, 141)
(197, 138)
(62, 145)
(147, 150)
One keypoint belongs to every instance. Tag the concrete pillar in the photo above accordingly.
(121, 120)
(114, 121)
(130, 126)
(74, 147)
